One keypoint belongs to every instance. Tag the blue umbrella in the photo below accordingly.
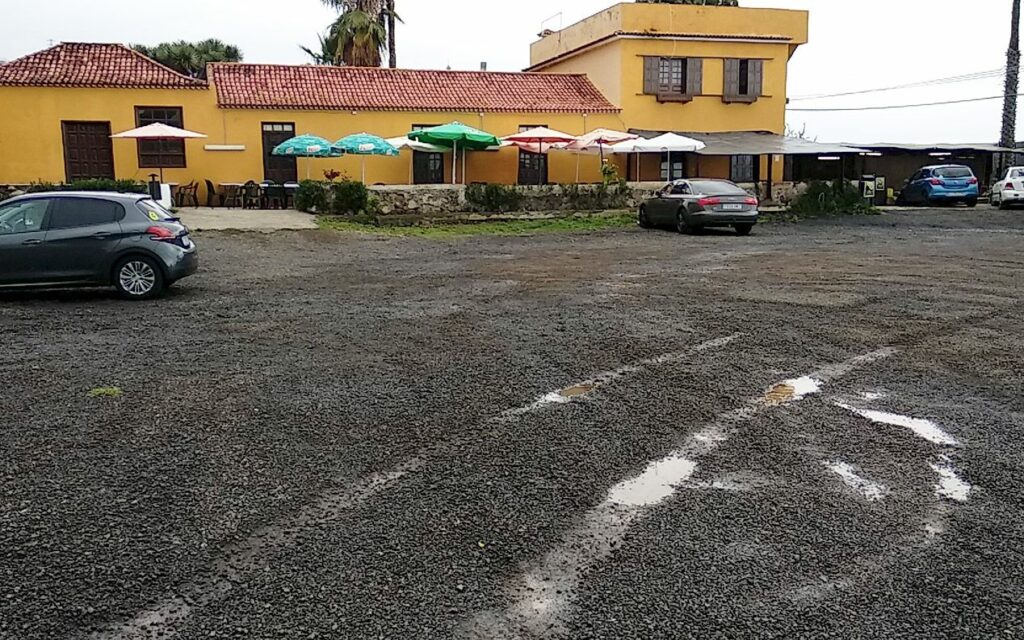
(366, 144)
(307, 146)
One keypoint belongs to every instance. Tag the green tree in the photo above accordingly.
(360, 34)
(191, 58)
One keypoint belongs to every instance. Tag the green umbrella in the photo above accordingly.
(307, 146)
(456, 135)
(365, 144)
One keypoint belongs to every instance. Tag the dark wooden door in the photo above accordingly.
(279, 169)
(88, 150)
(533, 168)
(427, 167)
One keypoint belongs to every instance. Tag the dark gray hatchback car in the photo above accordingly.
(85, 238)
(693, 204)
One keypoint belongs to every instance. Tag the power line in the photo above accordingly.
(904, 106)
(967, 77)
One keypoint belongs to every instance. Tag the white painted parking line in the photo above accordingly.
(164, 619)
(923, 428)
(584, 388)
(950, 484)
(542, 596)
(846, 472)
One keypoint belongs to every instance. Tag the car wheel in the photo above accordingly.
(682, 226)
(744, 229)
(138, 278)
(642, 219)
(1003, 206)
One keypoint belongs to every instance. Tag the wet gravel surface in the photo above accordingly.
(317, 437)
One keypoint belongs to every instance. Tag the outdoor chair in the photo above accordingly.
(251, 195)
(233, 196)
(188, 195)
(274, 195)
(212, 195)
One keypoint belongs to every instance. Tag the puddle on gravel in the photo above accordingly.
(791, 390)
(656, 483)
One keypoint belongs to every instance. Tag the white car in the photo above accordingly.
(1009, 190)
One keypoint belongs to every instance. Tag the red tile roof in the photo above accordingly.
(79, 64)
(262, 86)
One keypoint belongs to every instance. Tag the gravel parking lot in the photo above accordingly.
(815, 431)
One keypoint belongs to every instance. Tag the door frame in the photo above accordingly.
(266, 153)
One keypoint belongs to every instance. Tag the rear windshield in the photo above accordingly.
(710, 188)
(154, 211)
(954, 172)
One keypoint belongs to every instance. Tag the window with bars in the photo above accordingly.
(160, 154)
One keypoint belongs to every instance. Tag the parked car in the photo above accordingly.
(70, 238)
(1010, 189)
(940, 184)
(690, 205)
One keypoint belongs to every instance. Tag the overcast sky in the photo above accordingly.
(854, 45)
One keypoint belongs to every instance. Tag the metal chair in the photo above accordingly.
(274, 195)
(188, 195)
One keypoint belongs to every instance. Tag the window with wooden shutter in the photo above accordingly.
(673, 79)
(652, 66)
(744, 80)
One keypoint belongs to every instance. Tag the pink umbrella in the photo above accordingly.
(539, 140)
(158, 131)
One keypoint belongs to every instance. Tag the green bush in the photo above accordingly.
(822, 198)
(349, 197)
(493, 197)
(99, 184)
(311, 196)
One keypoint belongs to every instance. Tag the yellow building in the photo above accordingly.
(647, 67)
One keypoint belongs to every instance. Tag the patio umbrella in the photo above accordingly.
(665, 143)
(365, 144)
(456, 135)
(596, 140)
(534, 140)
(307, 146)
(158, 131)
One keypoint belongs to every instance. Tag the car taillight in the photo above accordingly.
(937, 182)
(160, 234)
(709, 202)
(972, 181)
(751, 201)
(1007, 186)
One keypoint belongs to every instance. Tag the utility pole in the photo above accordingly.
(1008, 138)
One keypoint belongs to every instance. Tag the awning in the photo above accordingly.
(756, 143)
(936, 147)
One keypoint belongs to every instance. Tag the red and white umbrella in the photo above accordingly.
(158, 131)
(539, 140)
(595, 142)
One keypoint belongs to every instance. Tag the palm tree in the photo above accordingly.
(360, 33)
(1008, 136)
(191, 58)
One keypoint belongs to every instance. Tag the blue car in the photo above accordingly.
(940, 184)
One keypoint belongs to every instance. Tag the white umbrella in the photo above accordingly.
(402, 142)
(595, 142)
(666, 142)
(158, 131)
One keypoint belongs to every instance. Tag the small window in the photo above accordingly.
(156, 154)
(672, 75)
(23, 217)
(743, 168)
(744, 80)
(677, 169)
(673, 79)
(84, 212)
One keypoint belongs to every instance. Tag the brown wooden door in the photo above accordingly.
(279, 169)
(88, 151)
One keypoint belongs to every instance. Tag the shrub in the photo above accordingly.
(311, 197)
(493, 197)
(96, 184)
(348, 197)
(822, 198)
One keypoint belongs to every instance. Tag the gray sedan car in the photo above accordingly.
(690, 205)
(71, 238)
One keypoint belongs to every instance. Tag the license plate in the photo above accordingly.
(732, 207)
